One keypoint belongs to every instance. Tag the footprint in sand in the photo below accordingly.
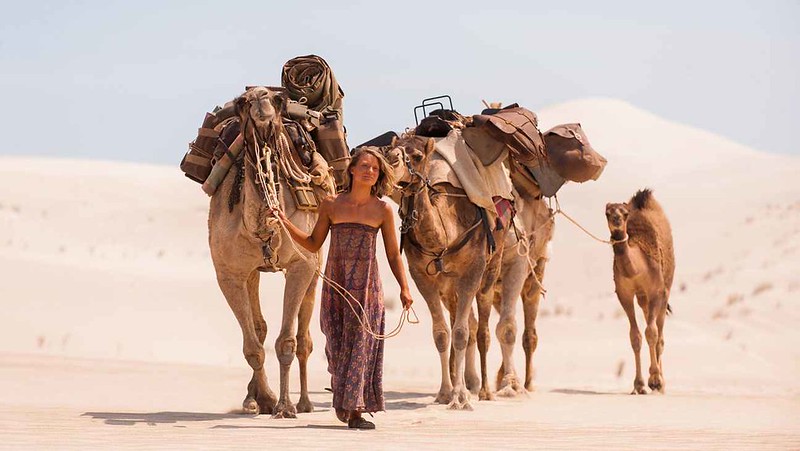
(735, 298)
(762, 287)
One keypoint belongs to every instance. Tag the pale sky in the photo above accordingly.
(121, 80)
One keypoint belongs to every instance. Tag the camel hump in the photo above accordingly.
(643, 200)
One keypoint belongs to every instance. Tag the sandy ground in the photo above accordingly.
(115, 335)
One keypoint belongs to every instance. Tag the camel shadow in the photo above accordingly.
(570, 391)
(132, 418)
(342, 427)
(394, 401)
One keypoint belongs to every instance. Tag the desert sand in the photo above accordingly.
(113, 332)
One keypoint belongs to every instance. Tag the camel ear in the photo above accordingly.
(394, 142)
(608, 206)
(429, 146)
(279, 101)
(239, 105)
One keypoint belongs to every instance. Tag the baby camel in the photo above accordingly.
(644, 265)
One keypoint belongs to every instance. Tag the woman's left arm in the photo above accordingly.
(393, 254)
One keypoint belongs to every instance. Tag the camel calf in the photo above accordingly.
(644, 266)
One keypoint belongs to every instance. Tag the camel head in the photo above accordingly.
(258, 108)
(408, 157)
(617, 217)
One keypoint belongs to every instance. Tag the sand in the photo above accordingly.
(115, 335)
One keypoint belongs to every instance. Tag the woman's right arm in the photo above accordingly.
(314, 240)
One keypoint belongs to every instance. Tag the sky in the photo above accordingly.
(121, 80)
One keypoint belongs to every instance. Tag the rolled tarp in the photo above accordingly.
(311, 78)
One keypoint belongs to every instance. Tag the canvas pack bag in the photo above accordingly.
(571, 155)
(198, 160)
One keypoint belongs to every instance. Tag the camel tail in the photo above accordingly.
(642, 199)
(669, 309)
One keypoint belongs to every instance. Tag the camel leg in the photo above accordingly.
(429, 290)
(660, 348)
(531, 295)
(260, 398)
(651, 332)
(465, 293)
(264, 399)
(626, 299)
(484, 298)
(299, 275)
(305, 345)
(470, 373)
(513, 281)
(484, 339)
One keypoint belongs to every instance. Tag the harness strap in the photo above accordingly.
(438, 258)
(487, 229)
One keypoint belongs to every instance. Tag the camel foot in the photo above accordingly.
(510, 392)
(656, 383)
(304, 405)
(510, 383)
(530, 387)
(638, 389)
(266, 404)
(455, 405)
(250, 406)
(485, 395)
(444, 397)
(461, 400)
(285, 410)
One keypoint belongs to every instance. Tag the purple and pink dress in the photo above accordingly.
(355, 358)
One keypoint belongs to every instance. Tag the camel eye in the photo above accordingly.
(417, 158)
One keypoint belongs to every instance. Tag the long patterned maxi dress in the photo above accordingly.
(355, 359)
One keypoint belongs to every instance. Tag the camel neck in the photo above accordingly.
(622, 255)
(619, 240)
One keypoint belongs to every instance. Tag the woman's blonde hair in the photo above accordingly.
(385, 183)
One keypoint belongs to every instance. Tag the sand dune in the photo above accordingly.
(113, 325)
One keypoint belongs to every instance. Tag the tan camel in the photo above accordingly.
(524, 259)
(450, 261)
(245, 240)
(644, 265)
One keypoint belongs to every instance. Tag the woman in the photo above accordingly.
(355, 358)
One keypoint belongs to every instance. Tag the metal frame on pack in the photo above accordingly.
(430, 102)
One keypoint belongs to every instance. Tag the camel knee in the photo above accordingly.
(460, 338)
(304, 346)
(255, 358)
(651, 333)
(507, 333)
(286, 348)
(530, 339)
(442, 340)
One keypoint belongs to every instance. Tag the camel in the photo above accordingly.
(521, 273)
(644, 266)
(245, 240)
(524, 259)
(451, 263)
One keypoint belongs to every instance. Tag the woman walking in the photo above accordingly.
(354, 217)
